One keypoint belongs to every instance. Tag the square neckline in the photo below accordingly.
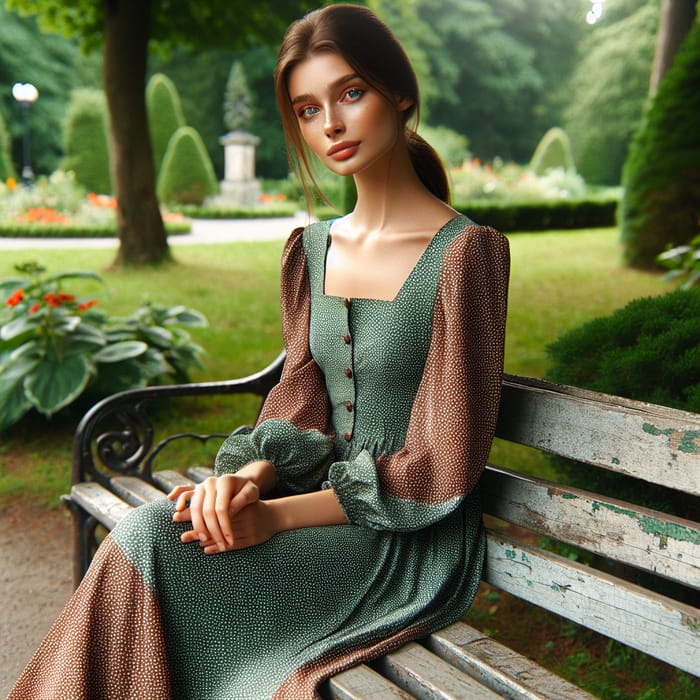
(404, 284)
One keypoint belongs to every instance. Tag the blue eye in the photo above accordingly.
(354, 94)
(308, 112)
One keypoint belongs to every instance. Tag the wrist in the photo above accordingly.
(262, 473)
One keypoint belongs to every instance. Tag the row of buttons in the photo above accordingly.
(348, 372)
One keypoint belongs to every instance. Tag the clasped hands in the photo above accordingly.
(226, 513)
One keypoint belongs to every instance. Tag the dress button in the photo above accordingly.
(348, 436)
(348, 372)
(348, 405)
(347, 339)
(347, 303)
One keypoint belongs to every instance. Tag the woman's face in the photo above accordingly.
(348, 124)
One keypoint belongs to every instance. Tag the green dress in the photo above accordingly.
(393, 404)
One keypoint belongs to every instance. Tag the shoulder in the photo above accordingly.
(480, 241)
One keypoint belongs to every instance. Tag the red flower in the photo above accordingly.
(15, 297)
(88, 304)
(34, 308)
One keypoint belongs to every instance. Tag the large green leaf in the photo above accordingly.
(21, 324)
(158, 336)
(57, 383)
(120, 351)
(14, 402)
(187, 317)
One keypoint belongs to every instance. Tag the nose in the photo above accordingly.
(333, 125)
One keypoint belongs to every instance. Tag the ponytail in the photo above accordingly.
(428, 166)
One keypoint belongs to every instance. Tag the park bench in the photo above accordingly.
(114, 470)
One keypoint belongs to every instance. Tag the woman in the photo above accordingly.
(393, 319)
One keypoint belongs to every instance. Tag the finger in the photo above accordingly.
(177, 490)
(223, 506)
(249, 493)
(211, 515)
(196, 503)
(183, 498)
(182, 516)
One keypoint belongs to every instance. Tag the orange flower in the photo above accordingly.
(15, 297)
(11, 183)
(88, 304)
(34, 308)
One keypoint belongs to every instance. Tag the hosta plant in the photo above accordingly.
(56, 345)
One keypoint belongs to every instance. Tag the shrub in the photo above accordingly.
(661, 200)
(55, 346)
(85, 140)
(649, 351)
(187, 175)
(552, 152)
(683, 263)
(7, 168)
(165, 115)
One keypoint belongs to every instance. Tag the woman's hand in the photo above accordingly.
(213, 507)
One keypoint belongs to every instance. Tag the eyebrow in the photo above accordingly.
(335, 84)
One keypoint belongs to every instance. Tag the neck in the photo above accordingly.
(383, 191)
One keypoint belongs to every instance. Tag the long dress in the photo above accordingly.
(393, 404)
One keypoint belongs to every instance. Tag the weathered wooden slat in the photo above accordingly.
(658, 626)
(639, 536)
(506, 672)
(168, 479)
(99, 502)
(427, 676)
(362, 683)
(135, 491)
(654, 443)
(198, 474)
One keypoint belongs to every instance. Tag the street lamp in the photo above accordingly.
(25, 94)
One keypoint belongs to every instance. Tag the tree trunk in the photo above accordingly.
(139, 223)
(675, 21)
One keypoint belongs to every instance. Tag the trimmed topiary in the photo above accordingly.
(85, 140)
(661, 200)
(553, 151)
(165, 115)
(7, 168)
(187, 174)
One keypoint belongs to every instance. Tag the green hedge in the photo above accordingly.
(276, 211)
(539, 216)
(76, 231)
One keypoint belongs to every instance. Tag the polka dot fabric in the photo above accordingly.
(392, 404)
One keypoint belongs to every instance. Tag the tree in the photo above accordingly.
(661, 199)
(608, 89)
(238, 102)
(125, 29)
(7, 169)
(677, 17)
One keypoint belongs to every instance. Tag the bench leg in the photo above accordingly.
(84, 541)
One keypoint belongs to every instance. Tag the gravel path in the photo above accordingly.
(35, 581)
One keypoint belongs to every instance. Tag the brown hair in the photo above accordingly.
(372, 50)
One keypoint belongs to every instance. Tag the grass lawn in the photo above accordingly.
(558, 281)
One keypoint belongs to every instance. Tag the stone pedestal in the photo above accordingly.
(239, 186)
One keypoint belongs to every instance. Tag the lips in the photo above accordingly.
(343, 150)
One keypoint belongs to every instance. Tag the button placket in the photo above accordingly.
(346, 417)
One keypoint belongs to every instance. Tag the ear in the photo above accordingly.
(404, 103)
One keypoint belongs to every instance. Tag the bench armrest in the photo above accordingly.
(116, 435)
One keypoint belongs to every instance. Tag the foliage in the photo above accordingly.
(238, 101)
(165, 114)
(55, 66)
(453, 148)
(649, 350)
(497, 69)
(85, 140)
(683, 263)
(608, 88)
(552, 152)
(511, 182)
(661, 200)
(187, 175)
(54, 346)
(7, 168)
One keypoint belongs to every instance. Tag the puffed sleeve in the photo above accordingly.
(453, 418)
(293, 429)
